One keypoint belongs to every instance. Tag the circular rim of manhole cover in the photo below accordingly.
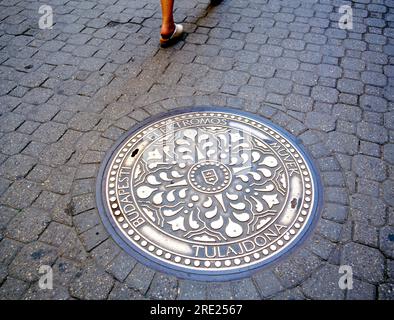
(198, 212)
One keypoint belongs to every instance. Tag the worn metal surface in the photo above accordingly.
(208, 193)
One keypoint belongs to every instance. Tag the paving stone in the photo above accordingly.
(262, 71)
(73, 248)
(267, 283)
(386, 291)
(21, 194)
(92, 284)
(390, 268)
(305, 78)
(320, 246)
(163, 287)
(10, 121)
(361, 291)
(30, 258)
(278, 85)
(40, 113)
(60, 180)
(388, 191)
(83, 121)
(386, 241)
(37, 96)
(368, 209)
(13, 289)
(55, 234)
(245, 290)
(320, 121)
(372, 132)
(368, 187)
(69, 93)
(367, 263)
(4, 184)
(373, 103)
(369, 148)
(86, 220)
(323, 285)
(311, 137)
(57, 154)
(3, 272)
(8, 250)
(64, 271)
(140, 278)
(365, 234)
(330, 229)
(49, 132)
(123, 292)
(296, 269)
(27, 225)
(93, 237)
(219, 291)
(121, 266)
(347, 112)
(298, 103)
(374, 78)
(105, 252)
(369, 167)
(331, 71)
(389, 120)
(388, 153)
(57, 293)
(191, 290)
(325, 94)
(92, 64)
(13, 143)
(83, 203)
(17, 166)
(291, 294)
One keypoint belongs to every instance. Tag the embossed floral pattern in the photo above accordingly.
(210, 185)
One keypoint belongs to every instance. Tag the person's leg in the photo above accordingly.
(168, 25)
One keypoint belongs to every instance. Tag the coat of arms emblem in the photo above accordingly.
(210, 176)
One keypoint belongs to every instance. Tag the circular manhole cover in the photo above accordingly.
(208, 193)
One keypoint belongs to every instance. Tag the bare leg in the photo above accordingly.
(168, 25)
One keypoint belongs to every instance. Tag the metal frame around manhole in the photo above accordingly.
(184, 272)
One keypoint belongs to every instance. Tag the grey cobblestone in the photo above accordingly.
(320, 121)
(361, 291)
(386, 241)
(219, 291)
(367, 263)
(267, 284)
(27, 225)
(369, 167)
(324, 284)
(191, 290)
(123, 292)
(27, 262)
(140, 278)
(365, 234)
(163, 287)
(92, 283)
(68, 93)
(13, 289)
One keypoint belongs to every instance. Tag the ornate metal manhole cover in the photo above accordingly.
(208, 193)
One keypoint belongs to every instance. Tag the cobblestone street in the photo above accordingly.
(67, 94)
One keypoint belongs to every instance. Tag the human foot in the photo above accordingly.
(169, 38)
(167, 30)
